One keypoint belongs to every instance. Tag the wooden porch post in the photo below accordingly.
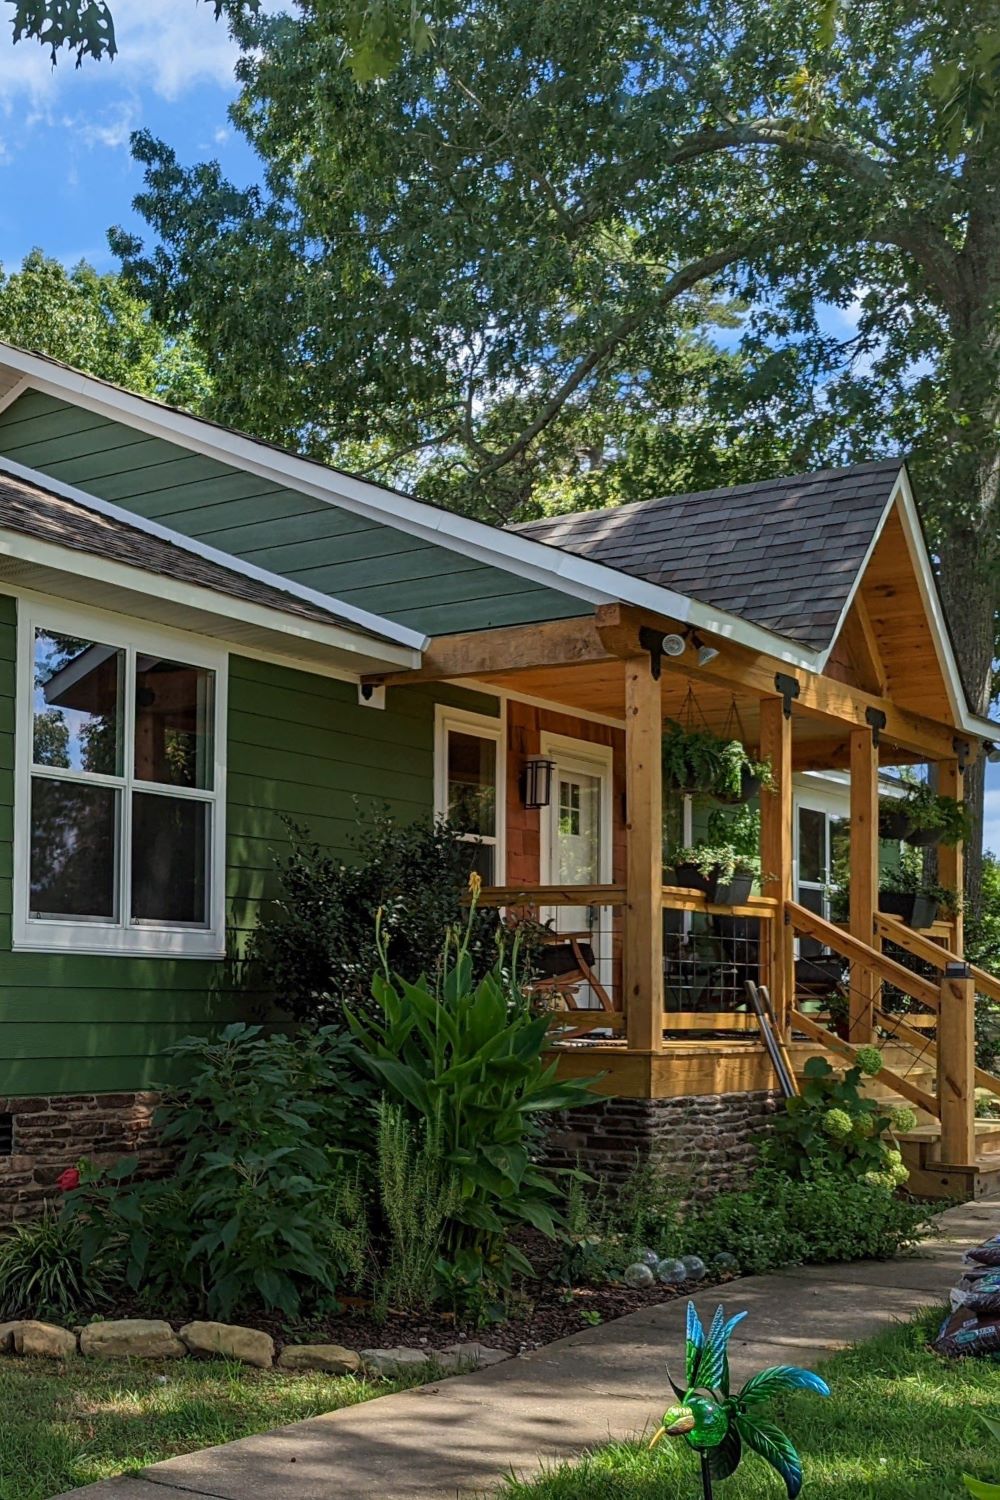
(776, 853)
(956, 1054)
(643, 957)
(865, 987)
(951, 862)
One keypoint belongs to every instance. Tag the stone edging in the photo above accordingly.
(153, 1338)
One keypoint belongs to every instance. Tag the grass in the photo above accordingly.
(67, 1425)
(901, 1424)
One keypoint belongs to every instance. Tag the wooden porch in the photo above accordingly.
(867, 709)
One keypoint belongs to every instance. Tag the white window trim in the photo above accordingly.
(486, 727)
(52, 935)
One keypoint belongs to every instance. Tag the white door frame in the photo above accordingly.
(588, 759)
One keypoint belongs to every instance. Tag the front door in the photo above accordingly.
(576, 843)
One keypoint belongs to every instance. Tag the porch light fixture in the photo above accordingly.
(705, 653)
(992, 750)
(536, 781)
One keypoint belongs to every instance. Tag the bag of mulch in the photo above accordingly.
(986, 1254)
(978, 1291)
(964, 1333)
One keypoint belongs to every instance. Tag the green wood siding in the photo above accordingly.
(376, 567)
(299, 745)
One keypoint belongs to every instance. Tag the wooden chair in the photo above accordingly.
(566, 962)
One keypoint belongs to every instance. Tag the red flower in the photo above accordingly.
(68, 1180)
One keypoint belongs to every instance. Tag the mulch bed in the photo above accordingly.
(542, 1311)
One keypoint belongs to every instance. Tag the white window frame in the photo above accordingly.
(90, 935)
(488, 728)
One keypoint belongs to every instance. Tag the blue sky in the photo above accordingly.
(65, 171)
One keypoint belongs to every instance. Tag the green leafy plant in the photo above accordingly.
(44, 1273)
(698, 761)
(256, 1209)
(418, 1193)
(907, 879)
(833, 1127)
(980, 1489)
(315, 945)
(718, 861)
(465, 1062)
(779, 1220)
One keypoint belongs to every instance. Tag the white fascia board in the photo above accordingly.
(376, 625)
(550, 567)
(115, 575)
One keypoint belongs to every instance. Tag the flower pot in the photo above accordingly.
(894, 825)
(915, 910)
(691, 878)
(920, 838)
(749, 787)
(731, 892)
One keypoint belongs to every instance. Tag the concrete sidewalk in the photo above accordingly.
(461, 1436)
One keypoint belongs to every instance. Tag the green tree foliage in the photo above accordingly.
(93, 322)
(500, 257)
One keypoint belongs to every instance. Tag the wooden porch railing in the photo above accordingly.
(739, 955)
(951, 1004)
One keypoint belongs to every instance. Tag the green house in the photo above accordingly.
(202, 635)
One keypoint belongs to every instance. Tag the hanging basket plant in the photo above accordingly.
(924, 817)
(698, 762)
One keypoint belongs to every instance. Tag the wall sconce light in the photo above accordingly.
(705, 653)
(992, 750)
(536, 781)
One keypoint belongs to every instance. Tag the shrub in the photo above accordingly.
(831, 1127)
(782, 1221)
(261, 1202)
(464, 1062)
(43, 1272)
(315, 945)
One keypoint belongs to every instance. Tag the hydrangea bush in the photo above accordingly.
(833, 1127)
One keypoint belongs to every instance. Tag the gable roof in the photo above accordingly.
(752, 549)
(561, 578)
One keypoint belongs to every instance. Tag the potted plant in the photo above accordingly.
(904, 893)
(923, 817)
(691, 758)
(740, 777)
(723, 874)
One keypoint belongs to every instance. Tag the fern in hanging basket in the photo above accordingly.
(691, 758)
(740, 776)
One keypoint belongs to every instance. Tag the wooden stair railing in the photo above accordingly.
(898, 1081)
(807, 924)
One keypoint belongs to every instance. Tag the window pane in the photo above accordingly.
(812, 844)
(482, 859)
(472, 774)
(77, 704)
(74, 840)
(173, 722)
(169, 859)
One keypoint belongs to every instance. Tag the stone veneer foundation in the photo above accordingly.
(707, 1142)
(52, 1132)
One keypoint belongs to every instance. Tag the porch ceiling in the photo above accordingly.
(818, 742)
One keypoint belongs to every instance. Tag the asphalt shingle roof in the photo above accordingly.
(32, 510)
(782, 553)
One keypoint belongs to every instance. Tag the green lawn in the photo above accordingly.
(68, 1425)
(901, 1424)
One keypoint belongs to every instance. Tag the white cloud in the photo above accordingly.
(112, 130)
(169, 46)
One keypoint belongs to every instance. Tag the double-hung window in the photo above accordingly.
(469, 785)
(120, 788)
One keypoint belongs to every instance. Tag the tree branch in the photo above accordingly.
(681, 281)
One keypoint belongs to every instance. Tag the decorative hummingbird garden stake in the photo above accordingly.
(716, 1424)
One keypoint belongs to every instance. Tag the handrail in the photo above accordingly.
(856, 951)
(552, 895)
(896, 1026)
(899, 1081)
(933, 953)
(683, 898)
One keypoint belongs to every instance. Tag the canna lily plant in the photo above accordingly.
(717, 1424)
(981, 1489)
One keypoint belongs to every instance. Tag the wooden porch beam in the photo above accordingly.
(951, 861)
(517, 648)
(865, 988)
(776, 854)
(956, 1058)
(643, 934)
(737, 667)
